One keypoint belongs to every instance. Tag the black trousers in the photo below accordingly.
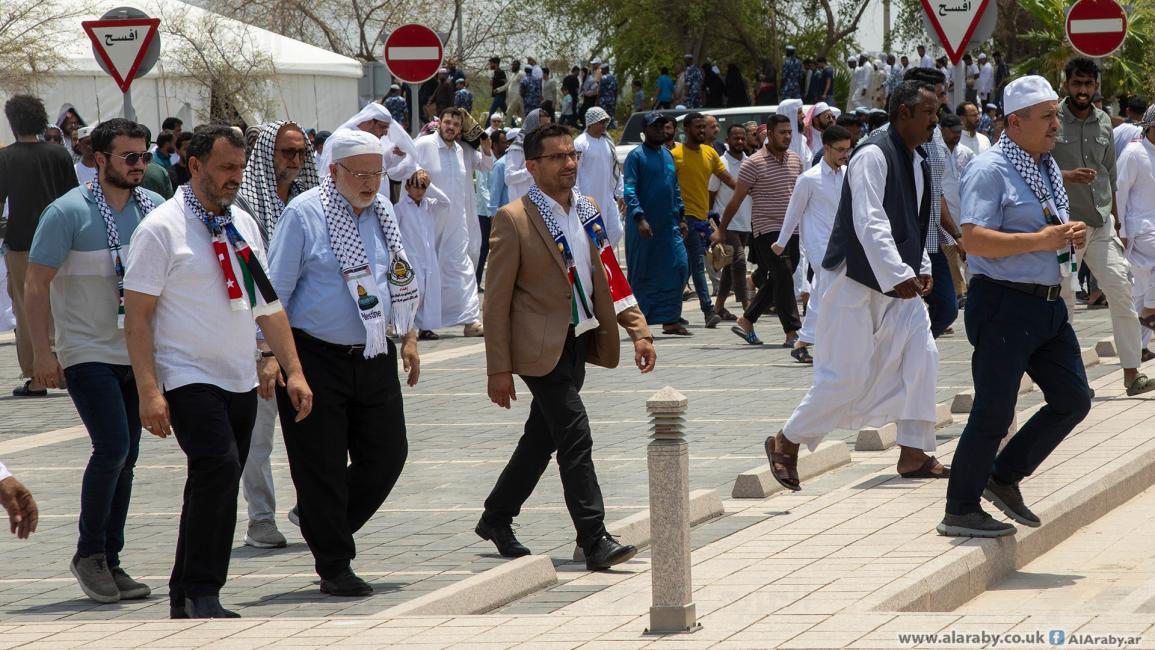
(1012, 333)
(213, 427)
(344, 457)
(557, 422)
(779, 288)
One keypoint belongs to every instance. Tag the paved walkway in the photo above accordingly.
(800, 559)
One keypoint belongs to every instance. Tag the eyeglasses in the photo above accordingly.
(132, 158)
(560, 157)
(292, 153)
(364, 176)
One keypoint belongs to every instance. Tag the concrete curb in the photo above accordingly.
(886, 436)
(1106, 348)
(758, 483)
(963, 401)
(635, 529)
(954, 579)
(483, 592)
(1090, 357)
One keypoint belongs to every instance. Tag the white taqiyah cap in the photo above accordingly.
(85, 131)
(353, 142)
(1025, 92)
(820, 108)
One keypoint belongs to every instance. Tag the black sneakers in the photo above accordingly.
(1009, 499)
(502, 537)
(974, 524)
(346, 583)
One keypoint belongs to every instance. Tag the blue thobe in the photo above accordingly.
(657, 268)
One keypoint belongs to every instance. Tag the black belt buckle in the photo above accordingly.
(1053, 292)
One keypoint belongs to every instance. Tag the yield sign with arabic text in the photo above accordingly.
(955, 22)
(122, 44)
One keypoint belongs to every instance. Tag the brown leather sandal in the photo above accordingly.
(787, 476)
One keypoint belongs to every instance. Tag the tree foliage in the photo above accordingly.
(32, 36)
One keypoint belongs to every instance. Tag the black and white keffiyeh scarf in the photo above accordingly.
(1056, 206)
(345, 240)
(145, 205)
(259, 187)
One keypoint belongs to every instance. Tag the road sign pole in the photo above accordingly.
(129, 111)
(960, 86)
(415, 109)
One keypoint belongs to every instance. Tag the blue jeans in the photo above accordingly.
(498, 104)
(697, 241)
(1014, 333)
(105, 397)
(941, 303)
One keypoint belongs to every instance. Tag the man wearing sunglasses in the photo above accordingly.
(74, 276)
(280, 167)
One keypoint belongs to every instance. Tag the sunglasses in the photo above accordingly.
(293, 153)
(132, 158)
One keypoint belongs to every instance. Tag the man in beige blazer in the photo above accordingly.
(542, 323)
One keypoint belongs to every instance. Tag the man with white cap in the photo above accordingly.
(1021, 241)
(879, 362)
(986, 83)
(86, 166)
(598, 173)
(398, 163)
(338, 262)
(1136, 201)
(443, 157)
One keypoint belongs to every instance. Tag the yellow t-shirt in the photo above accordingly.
(694, 171)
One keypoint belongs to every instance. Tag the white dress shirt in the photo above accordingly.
(812, 209)
(578, 240)
(977, 143)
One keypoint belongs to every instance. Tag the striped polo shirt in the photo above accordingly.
(771, 182)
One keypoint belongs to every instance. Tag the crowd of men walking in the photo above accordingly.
(288, 275)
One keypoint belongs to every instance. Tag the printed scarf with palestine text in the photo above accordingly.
(581, 303)
(1055, 204)
(145, 205)
(224, 232)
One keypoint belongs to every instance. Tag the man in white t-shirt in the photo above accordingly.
(86, 166)
(194, 283)
(738, 234)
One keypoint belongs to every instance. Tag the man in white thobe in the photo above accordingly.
(1135, 199)
(879, 361)
(986, 83)
(418, 211)
(812, 207)
(397, 151)
(861, 75)
(792, 109)
(598, 175)
(443, 158)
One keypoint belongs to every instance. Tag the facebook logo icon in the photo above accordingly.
(1056, 637)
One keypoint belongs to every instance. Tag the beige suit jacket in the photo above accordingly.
(527, 299)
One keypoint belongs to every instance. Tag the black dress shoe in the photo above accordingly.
(607, 552)
(207, 607)
(502, 537)
(346, 583)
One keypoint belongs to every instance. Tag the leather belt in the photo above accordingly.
(1048, 292)
(348, 350)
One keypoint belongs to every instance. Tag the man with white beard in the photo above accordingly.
(443, 158)
(598, 175)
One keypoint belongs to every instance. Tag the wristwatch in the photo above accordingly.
(263, 354)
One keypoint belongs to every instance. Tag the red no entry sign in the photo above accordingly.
(413, 53)
(1096, 28)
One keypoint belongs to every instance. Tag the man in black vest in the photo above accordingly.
(879, 361)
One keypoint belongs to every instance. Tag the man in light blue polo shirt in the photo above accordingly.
(1020, 241)
(74, 279)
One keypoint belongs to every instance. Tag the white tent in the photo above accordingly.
(315, 87)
